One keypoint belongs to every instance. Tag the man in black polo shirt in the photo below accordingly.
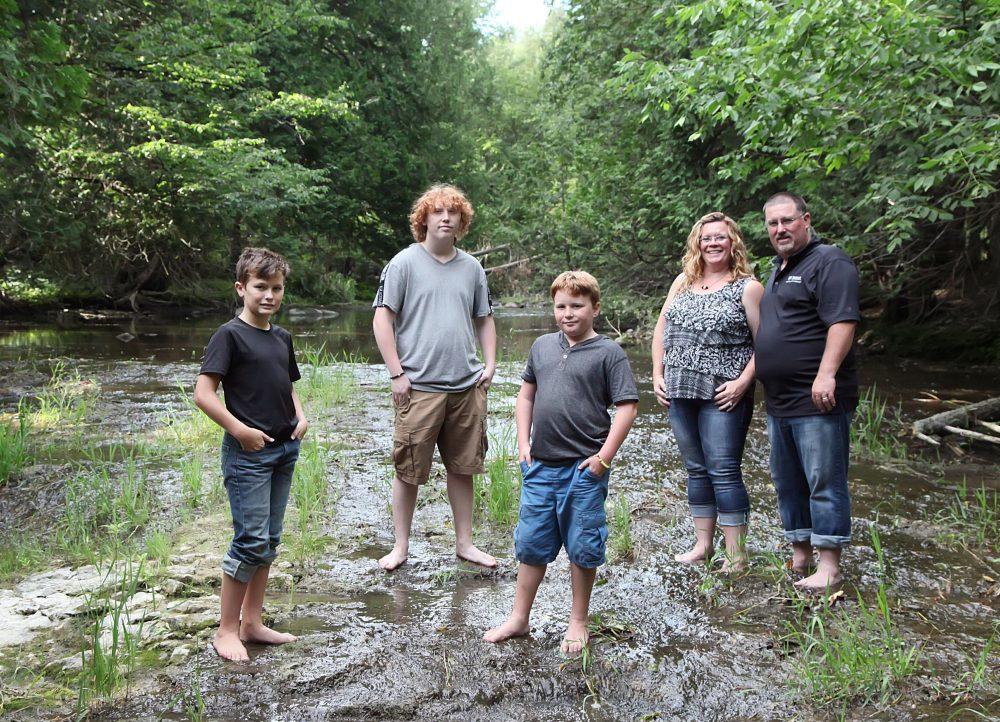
(805, 359)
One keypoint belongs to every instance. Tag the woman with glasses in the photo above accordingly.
(703, 373)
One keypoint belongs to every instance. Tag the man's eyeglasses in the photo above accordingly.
(775, 222)
(713, 239)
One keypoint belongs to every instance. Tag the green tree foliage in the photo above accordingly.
(885, 115)
(146, 143)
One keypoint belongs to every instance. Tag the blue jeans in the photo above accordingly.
(711, 444)
(561, 506)
(258, 483)
(809, 458)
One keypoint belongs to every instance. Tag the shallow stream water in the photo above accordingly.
(672, 642)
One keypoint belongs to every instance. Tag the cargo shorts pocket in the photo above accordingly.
(484, 442)
(402, 453)
(589, 542)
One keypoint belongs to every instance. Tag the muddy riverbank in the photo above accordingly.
(670, 642)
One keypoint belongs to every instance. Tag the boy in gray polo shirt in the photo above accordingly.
(432, 304)
(571, 378)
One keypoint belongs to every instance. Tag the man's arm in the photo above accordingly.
(486, 330)
(839, 338)
(384, 326)
(625, 414)
(523, 408)
(207, 399)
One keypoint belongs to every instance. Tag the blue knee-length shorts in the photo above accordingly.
(561, 506)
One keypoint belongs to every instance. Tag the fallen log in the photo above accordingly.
(957, 421)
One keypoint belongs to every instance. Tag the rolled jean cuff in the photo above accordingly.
(733, 518)
(240, 571)
(797, 536)
(702, 511)
(829, 541)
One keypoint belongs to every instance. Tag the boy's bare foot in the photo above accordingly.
(695, 556)
(259, 634)
(820, 581)
(393, 560)
(511, 628)
(472, 554)
(228, 646)
(576, 638)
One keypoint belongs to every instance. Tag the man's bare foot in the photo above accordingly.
(576, 638)
(393, 560)
(259, 634)
(511, 628)
(695, 556)
(802, 559)
(228, 646)
(821, 581)
(472, 554)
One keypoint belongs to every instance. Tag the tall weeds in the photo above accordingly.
(851, 657)
(14, 453)
(874, 431)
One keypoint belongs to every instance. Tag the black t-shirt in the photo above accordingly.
(817, 288)
(257, 369)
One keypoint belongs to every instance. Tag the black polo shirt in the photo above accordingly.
(817, 288)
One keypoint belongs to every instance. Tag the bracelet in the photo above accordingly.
(605, 464)
(393, 378)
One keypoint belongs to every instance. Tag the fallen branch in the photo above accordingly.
(972, 434)
(512, 264)
(963, 416)
(487, 251)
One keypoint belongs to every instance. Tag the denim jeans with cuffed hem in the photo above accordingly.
(258, 483)
(561, 506)
(809, 461)
(711, 443)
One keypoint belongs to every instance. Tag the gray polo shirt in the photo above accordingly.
(435, 303)
(576, 385)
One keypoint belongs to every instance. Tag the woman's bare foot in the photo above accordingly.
(695, 556)
(472, 554)
(821, 581)
(513, 627)
(228, 646)
(576, 638)
(259, 634)
(393, 560)
(735, 564)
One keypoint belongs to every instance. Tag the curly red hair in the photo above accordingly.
(440, 195)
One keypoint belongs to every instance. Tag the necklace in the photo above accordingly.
(705, 284)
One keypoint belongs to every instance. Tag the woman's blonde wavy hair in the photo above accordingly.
(694, 267)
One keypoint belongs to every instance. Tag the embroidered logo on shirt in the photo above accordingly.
(794, 279)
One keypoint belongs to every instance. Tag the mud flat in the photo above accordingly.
(912, 636)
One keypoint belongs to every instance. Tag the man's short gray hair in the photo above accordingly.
(786, 197)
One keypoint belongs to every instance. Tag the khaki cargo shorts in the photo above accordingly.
(455, 422)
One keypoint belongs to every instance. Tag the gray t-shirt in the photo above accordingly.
(576, 385)
(434, 304)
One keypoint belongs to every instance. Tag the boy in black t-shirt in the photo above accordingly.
(264, 425)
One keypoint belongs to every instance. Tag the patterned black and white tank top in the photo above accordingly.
(706, 341)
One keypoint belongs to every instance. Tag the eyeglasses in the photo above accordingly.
(713, 239)
(775, 222)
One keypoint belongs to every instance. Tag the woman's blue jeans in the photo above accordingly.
(711, 444)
